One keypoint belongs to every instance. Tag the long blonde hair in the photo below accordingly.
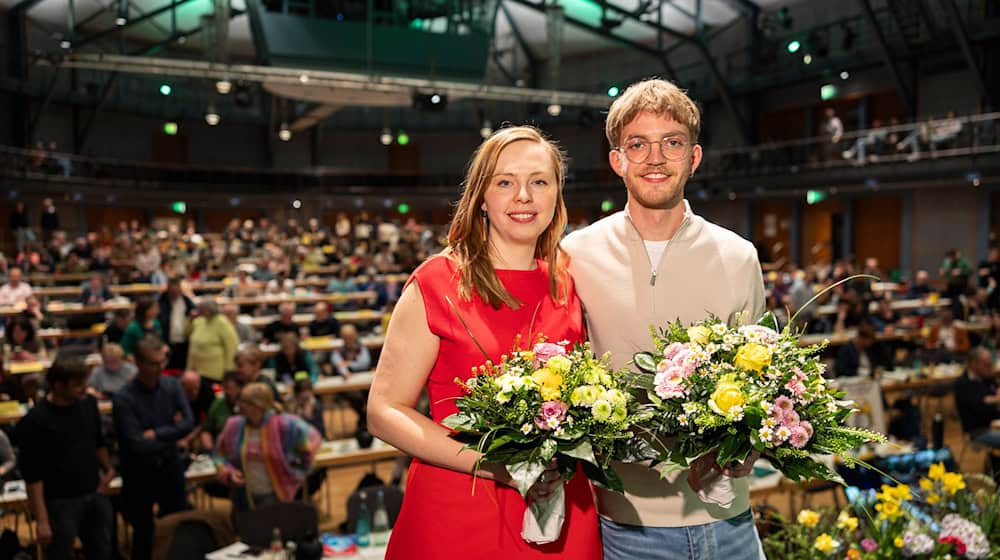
(468, 242)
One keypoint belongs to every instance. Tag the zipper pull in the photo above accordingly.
(652, 278)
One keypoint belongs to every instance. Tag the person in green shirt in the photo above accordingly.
(221, 409)
(145, 322)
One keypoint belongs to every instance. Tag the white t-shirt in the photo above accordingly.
(655, 250)
(178, 314)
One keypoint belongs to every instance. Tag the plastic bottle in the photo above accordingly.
(380, 522)
(363, 527)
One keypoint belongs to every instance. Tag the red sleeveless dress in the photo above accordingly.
(441, 519)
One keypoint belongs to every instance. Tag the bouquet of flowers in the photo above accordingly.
(944, 518)
(544, 404)
(736, 389)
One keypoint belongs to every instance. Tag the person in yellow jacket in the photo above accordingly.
(212, 343)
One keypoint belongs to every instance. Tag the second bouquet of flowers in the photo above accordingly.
(549, 403)
(733, 390)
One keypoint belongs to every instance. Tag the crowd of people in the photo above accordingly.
(185, 374)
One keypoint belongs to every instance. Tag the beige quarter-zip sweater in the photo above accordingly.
(704, 269)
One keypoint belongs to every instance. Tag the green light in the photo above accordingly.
(827, 91)
(812, 197)
(794, 46)
(613, 91)
(607, 206)
(402, 138)
(165, 89)
(170, 128)
(403, 208)
(417, 24)
(179, 207)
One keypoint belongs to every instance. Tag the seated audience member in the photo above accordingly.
(264, 470)
(851, 313)
(948, 340)
(146, 323)
(284, 323)
(280, 284)
(977, 399)
(885, 318)
(62, 454)
(292, 359)
(305, 404)
(221, 409)
(342, 283)
(8, 460)
(113, 373)
(15, 290)
(324, 323)
(25, 345)
(95, 292)
(244, 331)
(852, 358)
(921, 287)
(114, 330)
(248, 368)
(353, 357)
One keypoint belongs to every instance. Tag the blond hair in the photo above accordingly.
(656, 96)
(113, 351)
(468, 244)
(260, 395)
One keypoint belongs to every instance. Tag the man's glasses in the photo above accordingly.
(672, 148)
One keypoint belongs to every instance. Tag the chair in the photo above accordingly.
(969, 443)
(294, 519)
(191, 534)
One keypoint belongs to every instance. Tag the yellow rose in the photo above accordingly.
(559, 364)
(549, 383)
(808, 517)
(753, 357)
(699, 334)
(728, 393)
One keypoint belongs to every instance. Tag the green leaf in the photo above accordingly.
(733, 448)
(461, 422)
(582, 450)
(645, 361)
(668, 467)
(526, 473)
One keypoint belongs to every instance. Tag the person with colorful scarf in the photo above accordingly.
(263, 454)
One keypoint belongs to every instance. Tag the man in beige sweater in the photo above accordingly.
(650, 264)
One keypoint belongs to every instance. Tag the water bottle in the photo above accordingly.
(937, 431)
(380, 522)
(363, 527)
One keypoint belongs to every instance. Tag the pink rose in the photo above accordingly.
(798, 437)
(545, 350)
(551, 415)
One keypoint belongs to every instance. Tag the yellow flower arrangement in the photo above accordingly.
(699, 334)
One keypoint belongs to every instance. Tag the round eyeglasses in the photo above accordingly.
(672, 148)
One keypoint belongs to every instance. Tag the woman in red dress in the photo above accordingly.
(498, 282)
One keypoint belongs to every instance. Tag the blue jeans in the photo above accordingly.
(731, 539)
(89, 517)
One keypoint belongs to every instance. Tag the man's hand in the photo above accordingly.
(149, 434)
(44, 532)
(105, 483)
(702, 471)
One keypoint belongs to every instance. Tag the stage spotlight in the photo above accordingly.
(223, 86)
(486, 130)
(284, 133)
(554, 109)
(386, 137)
(844, 75)
(430, 102)
(212, 116)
